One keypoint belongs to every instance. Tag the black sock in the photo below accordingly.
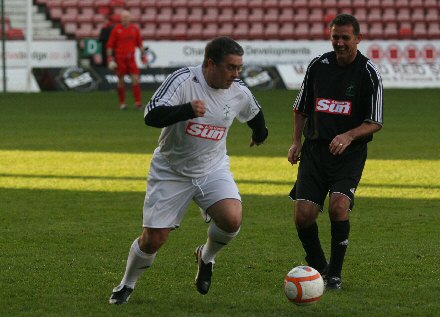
(312, 245)
(340, 231)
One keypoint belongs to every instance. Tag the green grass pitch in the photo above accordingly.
(72, 182)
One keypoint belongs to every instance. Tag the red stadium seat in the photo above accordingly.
(272, 15)
(301, 15)
(375, 15)
(376, 31)
(163, 31)
(210, 30)
(432, 15)
(316, 31)
(70, 28)
(211, 15)
(430, 4)
(416, 4)
(240, 32)
(257, 14)
(302, 31)
(287, 31)
(360, 14)
(313, 4)
(271, 31)
(226, 15)
(403, 15)
(148, 31)
(387, 4)
(149, 15)
(391, 31)
(86, 4)
(389, 15)
(179, 3)
(402, 4)
(56, 13)
(420, 31)
(225, 29)
(196, 15)
(180, 15)
(316, 15)
(418, 15)
(164, 15)
(241, 15)
(256, 31)
(240, 4)
(345, 4)
(179, 31)
(269, 4)
(298, 4)
(195, 31)
(433, 30)
(286, 15)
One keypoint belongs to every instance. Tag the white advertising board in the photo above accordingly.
(42, 54)
(403, 64)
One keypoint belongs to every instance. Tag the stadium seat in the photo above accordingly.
(195, 31)
(302, 31)
(316, 30)
(360, 14)
(133, 4)
(269, 4)
(389, 15)
(241, 15)
(301, 15)
(195, 15)
(211, 15)
(84, 31)
(287, 31)
(402, 4)
(70, 28)
(403, 15)
(149, 15)
(416, 4)
(146, 4)
(163, 31)
(387, 4)
(272, 15)
(316, 15)
(148, 31)
(434, 30)
(405, 30)
(179, 31)
(317, 4)
(375, 31)
(345, 4)
(14, 34)
(359, 4)
(298, 4)
(164, 15)
(372, 4)
(329, 15)
(225, 29)
(374, 15)
(257, 14)
(180, 15)
(430, 4)
(180, 4)
(419, 31)
(256, 31)
(417, 15)
(240, 32)
(226, 15)
(210, 30)
(237, 4)
(286, 15)
(271, 31)
(432, 15)
(195, 3)
(390, 30)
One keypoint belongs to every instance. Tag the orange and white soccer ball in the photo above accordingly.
(303, 285)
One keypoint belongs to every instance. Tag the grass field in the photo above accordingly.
(72, 182)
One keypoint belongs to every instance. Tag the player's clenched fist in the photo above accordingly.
(198, 107)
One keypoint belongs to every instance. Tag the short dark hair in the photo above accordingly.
(219, 47)
(346, 19)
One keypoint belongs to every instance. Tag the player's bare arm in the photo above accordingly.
(294, 153)
(342, 141)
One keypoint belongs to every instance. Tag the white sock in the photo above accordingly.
(137, 262)
(217, 239)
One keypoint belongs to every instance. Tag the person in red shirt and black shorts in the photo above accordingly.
(121, 49)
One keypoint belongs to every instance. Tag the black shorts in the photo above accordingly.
(321, 173)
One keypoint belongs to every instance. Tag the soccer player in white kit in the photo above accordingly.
(195, 106)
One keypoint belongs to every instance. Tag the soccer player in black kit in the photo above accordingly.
(339, 107)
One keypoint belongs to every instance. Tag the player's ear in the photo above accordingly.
(359, 38)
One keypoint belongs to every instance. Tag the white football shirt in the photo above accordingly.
(196, 147)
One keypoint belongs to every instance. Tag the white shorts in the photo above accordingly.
(169, 193)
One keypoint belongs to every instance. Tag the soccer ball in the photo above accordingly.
(303, 285)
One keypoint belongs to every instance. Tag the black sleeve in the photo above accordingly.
(258, 126)
(164, 116)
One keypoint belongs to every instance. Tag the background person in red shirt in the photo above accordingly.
(121, 49)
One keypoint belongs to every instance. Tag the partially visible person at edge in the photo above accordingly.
(104, 36)
(338, 108)
(195, 107)
(121, 50)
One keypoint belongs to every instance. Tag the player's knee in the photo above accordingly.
(152, 239)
